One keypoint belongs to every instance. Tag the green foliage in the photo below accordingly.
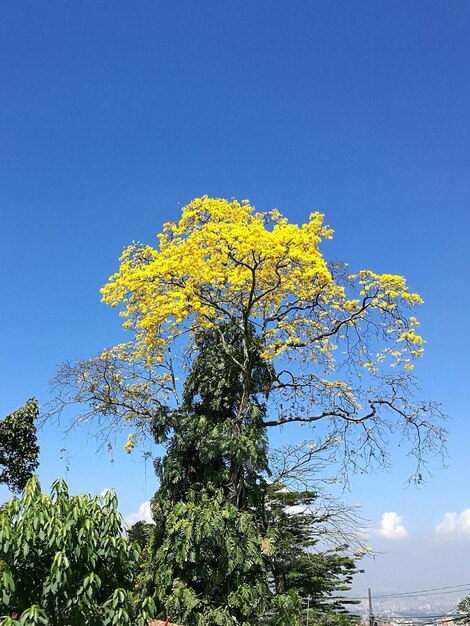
(218, 440)
(464, 607)
(18, 446)
(330, 618)
(65, 562)
(298, 567)
(297, 563)
(225, 550)
(140, 533)
(205, 562)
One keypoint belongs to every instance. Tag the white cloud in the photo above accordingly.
(392, 527)
(296, 509)
(142, 514)
(455, 524)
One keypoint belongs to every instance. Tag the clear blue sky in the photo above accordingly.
(113, 114)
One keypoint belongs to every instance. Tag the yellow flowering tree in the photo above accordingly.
(238, 324)
(341, 343)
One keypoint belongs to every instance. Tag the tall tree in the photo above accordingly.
(341, 344)
(244, 307)
(18, 446)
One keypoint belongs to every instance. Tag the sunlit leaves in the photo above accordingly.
(64, 561)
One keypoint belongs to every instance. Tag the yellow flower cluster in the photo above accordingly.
(130, 443)
(224, 261)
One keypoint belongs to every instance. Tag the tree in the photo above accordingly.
(225, 557)
(207, 562)
(341, 344)
(265, 332)
(298, 564)
(140, 533)
(65, 562)
(18, 446)
(464, 607)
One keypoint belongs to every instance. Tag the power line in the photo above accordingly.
(435, 590)
(405, 594)
(450, 616)
(425, 595)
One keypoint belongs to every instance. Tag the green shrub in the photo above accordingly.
(65, 562)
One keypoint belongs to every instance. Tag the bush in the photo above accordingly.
(65, 562)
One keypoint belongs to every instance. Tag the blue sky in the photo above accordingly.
(114, 114)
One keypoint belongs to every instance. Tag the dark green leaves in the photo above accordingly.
(18, 446)
(225, 551)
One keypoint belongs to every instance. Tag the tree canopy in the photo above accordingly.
(340, 344)
(18, 446)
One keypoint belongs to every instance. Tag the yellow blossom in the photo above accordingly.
(130, 443)
(224, 261)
